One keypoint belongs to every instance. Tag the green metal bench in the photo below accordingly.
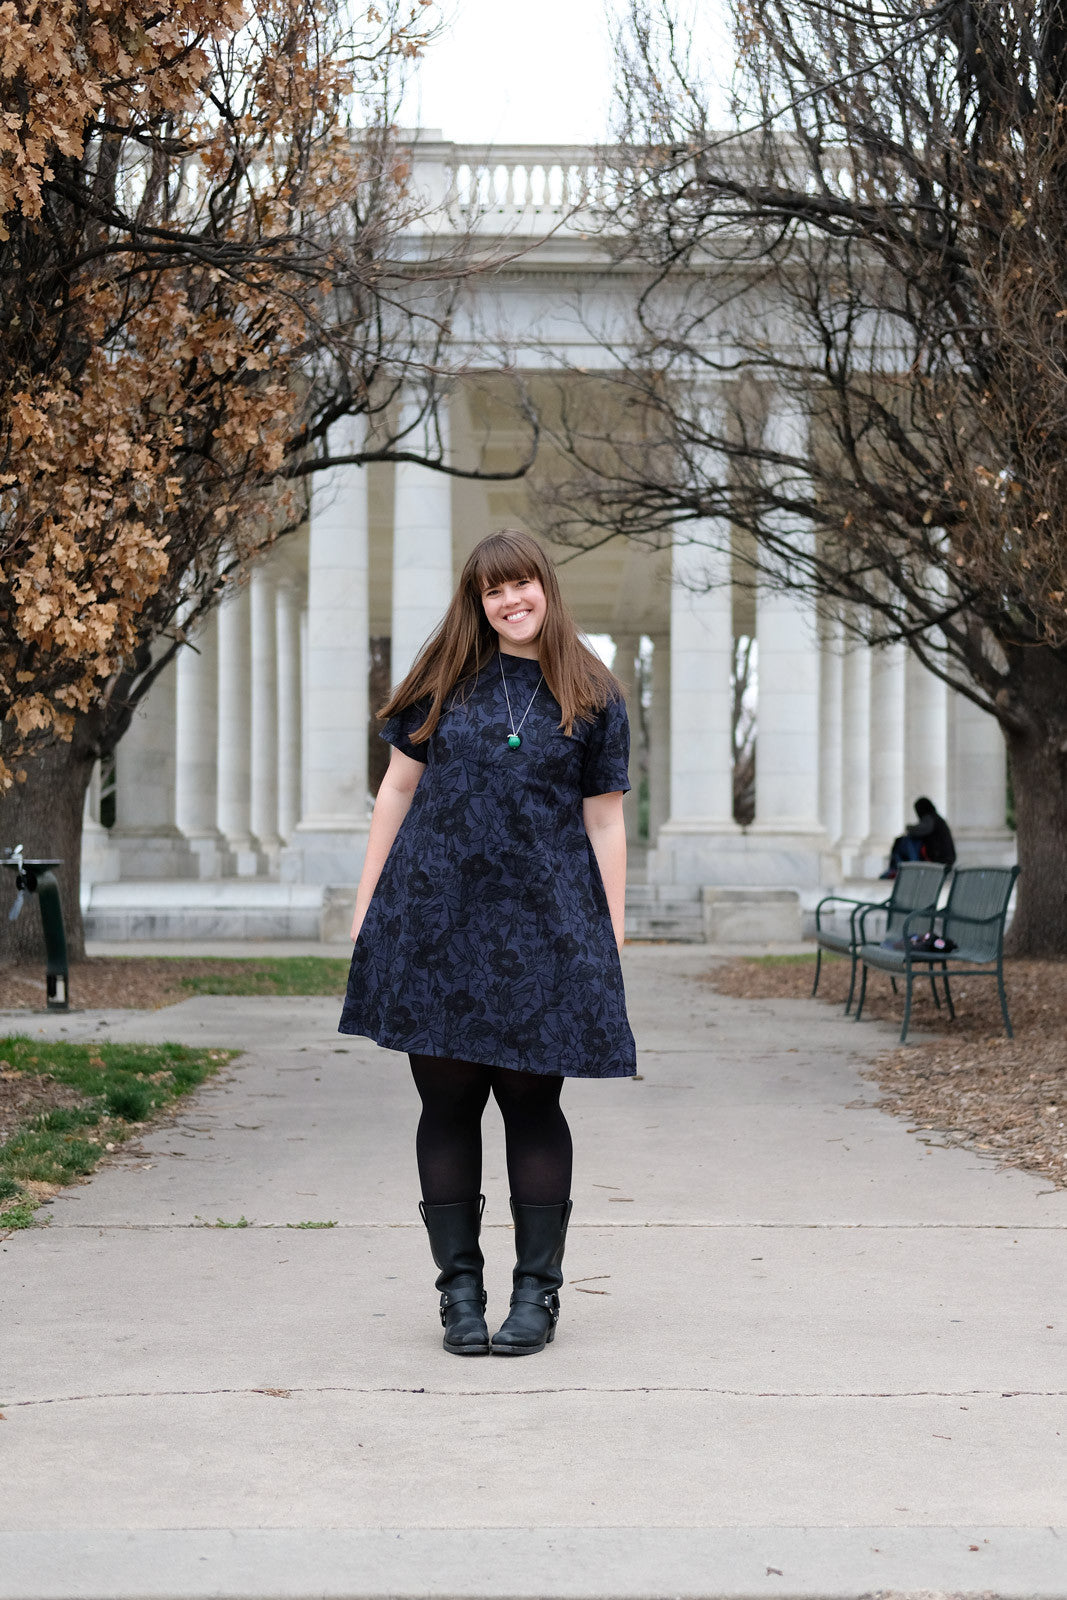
(916, 887)
(973, 917)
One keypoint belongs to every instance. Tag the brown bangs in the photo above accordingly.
(504, 558)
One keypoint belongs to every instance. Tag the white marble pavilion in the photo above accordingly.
(242, 793)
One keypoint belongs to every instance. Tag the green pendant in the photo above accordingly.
(513, 741)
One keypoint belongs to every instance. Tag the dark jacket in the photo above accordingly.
(932, 832)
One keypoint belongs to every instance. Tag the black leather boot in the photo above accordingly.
(453, 1232)
(540, 1235)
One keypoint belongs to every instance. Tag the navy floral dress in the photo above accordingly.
(488, 938)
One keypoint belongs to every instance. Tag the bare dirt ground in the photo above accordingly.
(149, 982)
(968, 1083)
(105, 982)
(22, 1098)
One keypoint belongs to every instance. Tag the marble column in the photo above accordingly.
(926, 736)
(100, 859)
(234, 735)
(701, 824)
(287, 642)
(855, 757)
(263, 799)
(146, 834)
(196, 740)
(889, 807)
(624, 668)
(787, 824)
(787, 719)
(422, 543)
(328, 843)
(831, 688)
(659, 739)
(977, 786)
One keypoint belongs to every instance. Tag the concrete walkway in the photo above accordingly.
(803, 1352)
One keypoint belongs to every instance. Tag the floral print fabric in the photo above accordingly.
(488, 938)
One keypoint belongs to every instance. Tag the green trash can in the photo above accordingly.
(36, 875)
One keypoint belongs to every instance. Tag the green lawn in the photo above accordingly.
(119, 1087)
(274, 975)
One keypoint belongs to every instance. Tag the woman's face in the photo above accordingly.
(516, 610)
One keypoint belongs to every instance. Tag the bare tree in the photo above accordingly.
(206, 261)
(851, 344)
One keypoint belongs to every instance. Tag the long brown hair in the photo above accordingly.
(465, 642)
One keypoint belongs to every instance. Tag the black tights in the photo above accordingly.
(448, 1144)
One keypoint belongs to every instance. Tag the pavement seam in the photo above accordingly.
(284, 1393)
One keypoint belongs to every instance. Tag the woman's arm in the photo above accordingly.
(602, 815)
(395, 795)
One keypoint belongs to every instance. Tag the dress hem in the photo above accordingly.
(412, 1047)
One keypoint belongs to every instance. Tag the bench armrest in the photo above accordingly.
(978, 922)
(844, 900)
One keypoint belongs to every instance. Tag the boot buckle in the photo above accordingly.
(447, 1300)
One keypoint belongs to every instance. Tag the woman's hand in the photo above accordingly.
(395, 794)
(603, 818)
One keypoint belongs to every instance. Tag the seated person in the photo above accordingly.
(929, 839)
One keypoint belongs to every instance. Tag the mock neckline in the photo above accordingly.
(509, 662)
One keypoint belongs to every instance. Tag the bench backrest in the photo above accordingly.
(976, 895)
(915, 888)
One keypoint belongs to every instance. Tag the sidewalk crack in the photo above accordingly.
(286, 1393)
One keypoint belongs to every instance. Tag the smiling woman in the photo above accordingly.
(490, 914)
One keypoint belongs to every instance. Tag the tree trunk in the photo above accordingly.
(1038, 751)
(44, 815)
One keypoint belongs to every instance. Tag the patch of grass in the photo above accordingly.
(20, 1216)
(64, 1119)
(273, 975)
(311, 1224)
(121, 1084)
(133, 1102)
(242, 1222)
(37, 1156)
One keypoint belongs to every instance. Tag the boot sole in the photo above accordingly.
(465, 1349)
(522, 1349)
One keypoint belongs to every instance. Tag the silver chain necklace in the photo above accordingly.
(514, 737)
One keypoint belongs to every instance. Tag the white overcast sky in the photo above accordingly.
(530, 71)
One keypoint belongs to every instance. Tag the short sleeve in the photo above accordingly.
(399, 728)
(607, 752)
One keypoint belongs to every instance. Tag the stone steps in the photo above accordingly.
(198, 908)
(664, 911)
(261, 908)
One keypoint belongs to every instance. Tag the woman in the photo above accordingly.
(490, 914)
